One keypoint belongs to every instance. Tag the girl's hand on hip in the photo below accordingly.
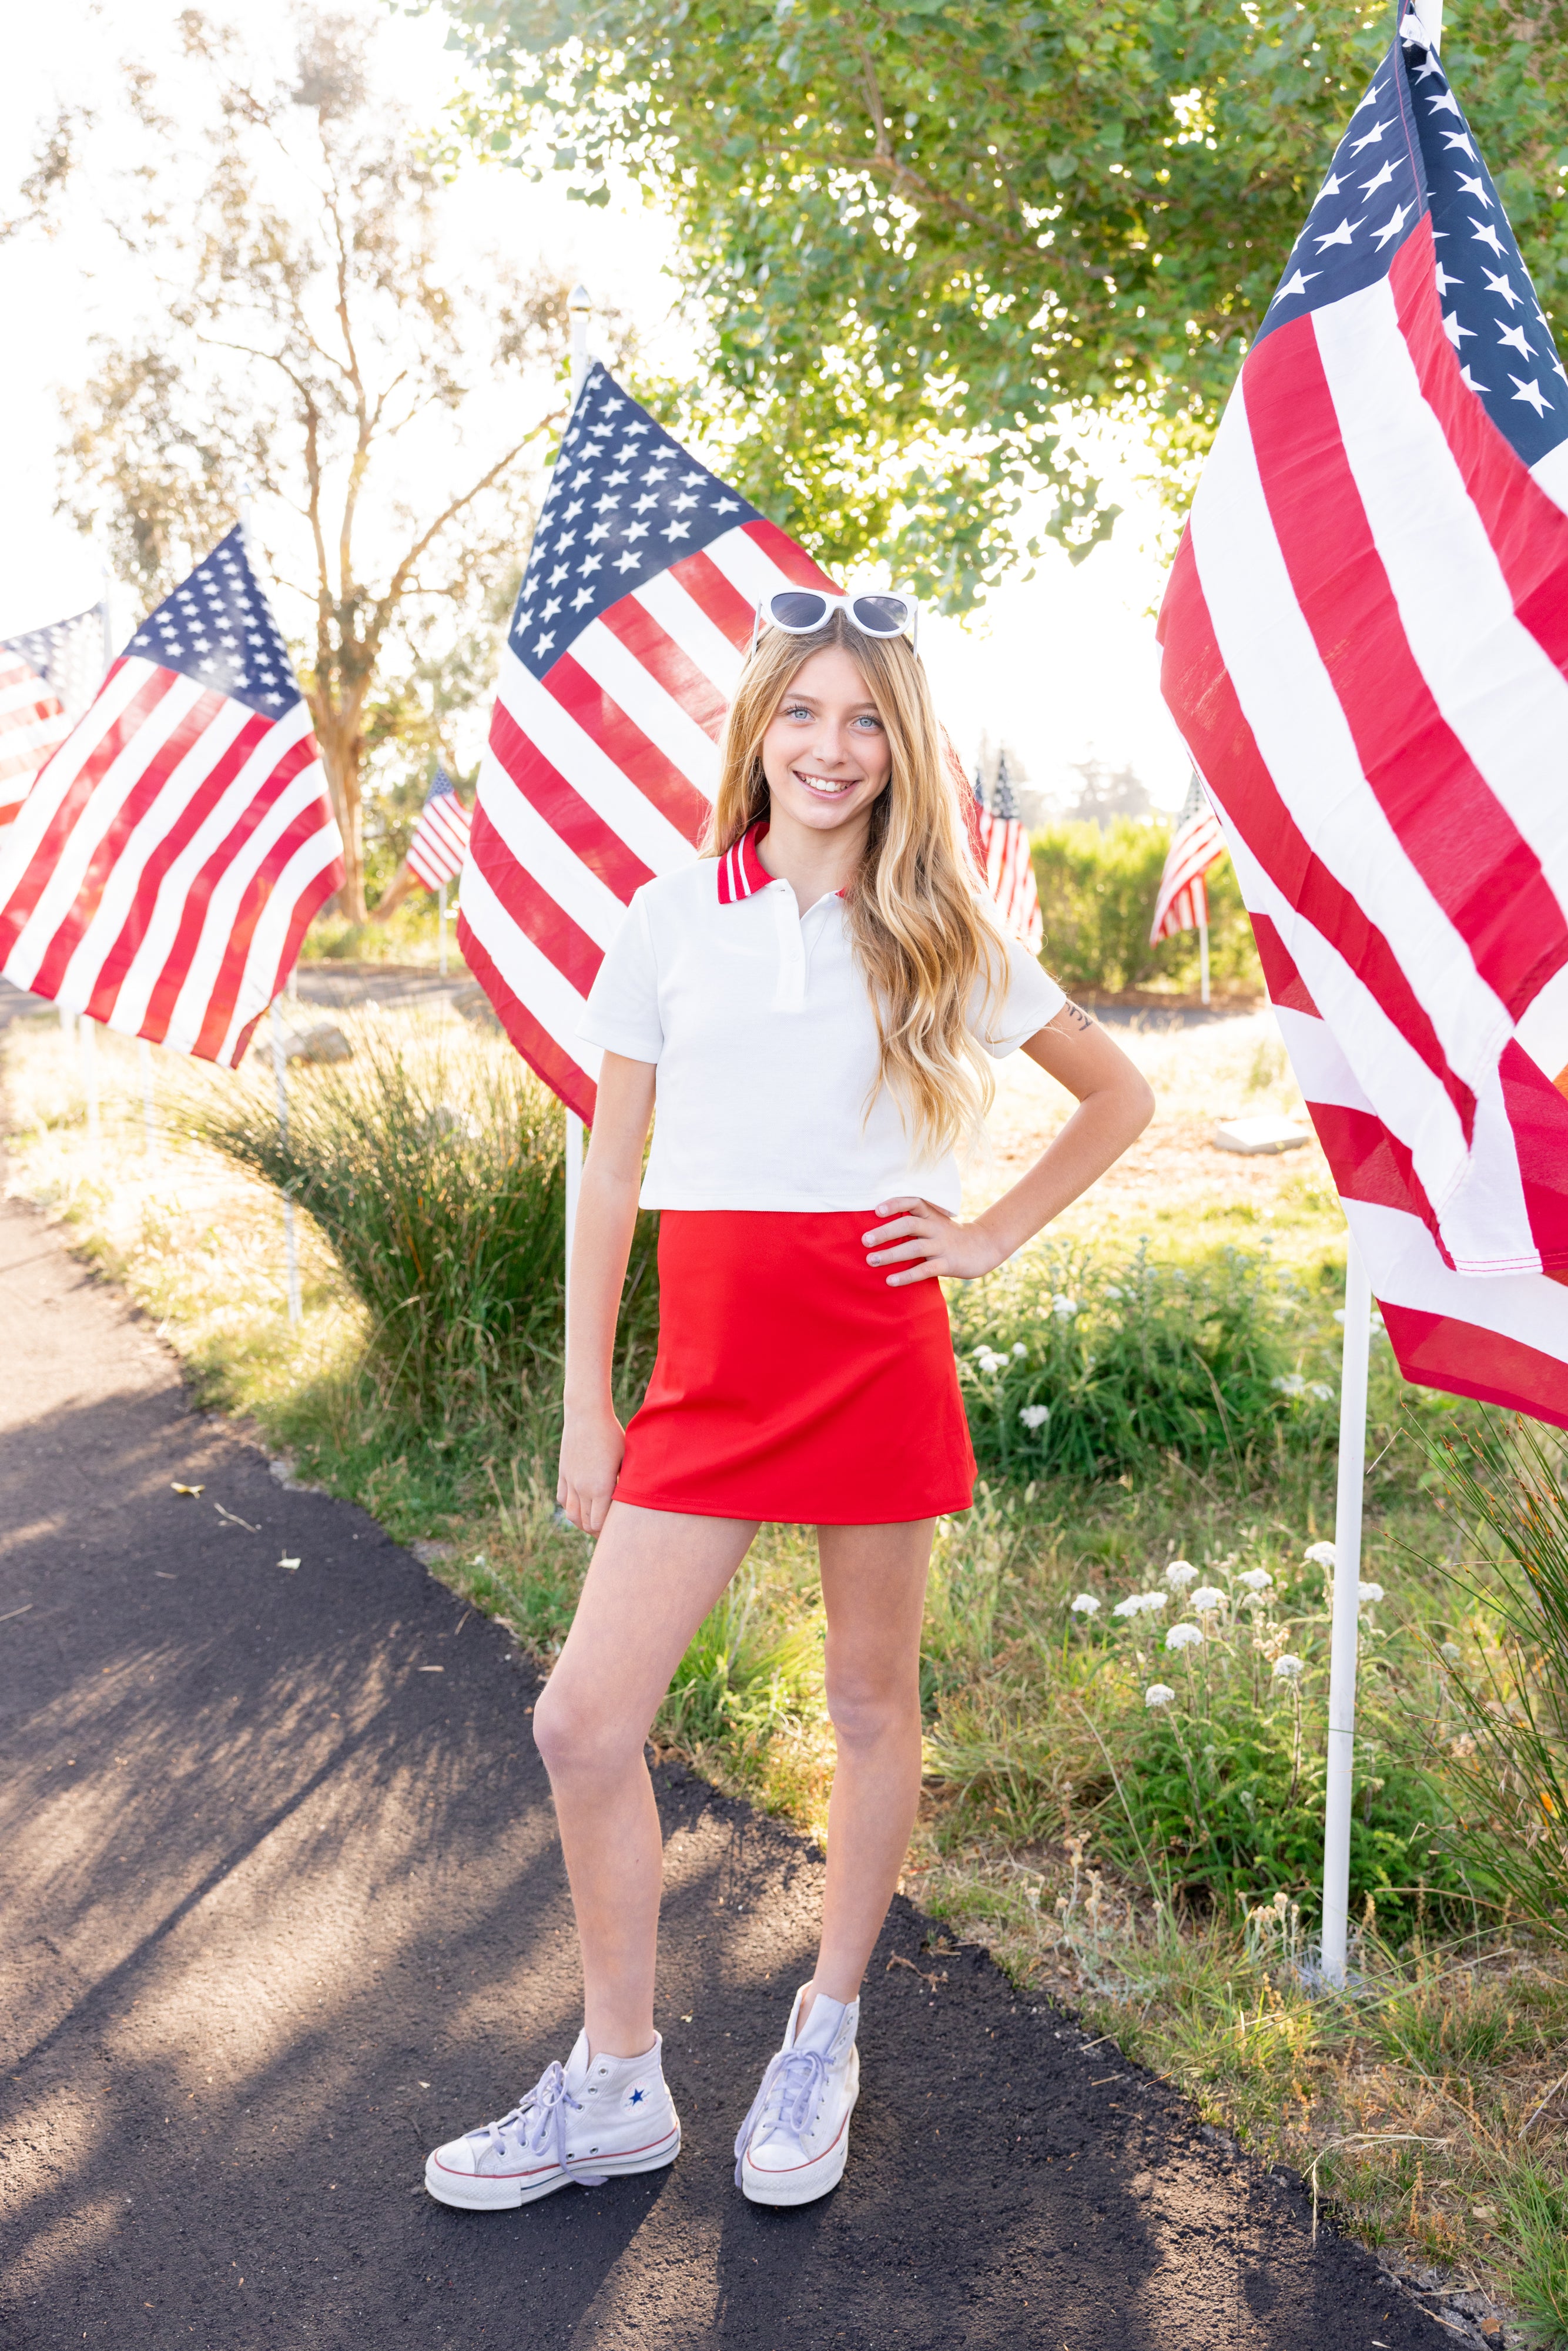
(591, 1446)
(928, 1242)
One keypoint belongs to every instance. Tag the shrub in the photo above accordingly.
(1097, 893)
(1068, 1365)
(438, 1179)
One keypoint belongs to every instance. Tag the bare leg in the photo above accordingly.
(654, 1576)
(874, 1585)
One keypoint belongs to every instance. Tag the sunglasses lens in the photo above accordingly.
(880, 616)
(798, 608)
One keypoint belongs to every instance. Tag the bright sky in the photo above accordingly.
(1063, 665)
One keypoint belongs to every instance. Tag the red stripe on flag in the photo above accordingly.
(1538, 1120)
(570, 817)
(307, 906)
(644, 637)
(1196, 683)
(1456, 832)
(1281, 978)
(1437, 1351)
(640, 760)
(177, 745)
(223, 995)
(165, 994)
(161, 860)
(31, 881)
(537, 1047)
(536, 914)
(793, 561)
(1527, 531)
(1369, 1164)
(719, 598)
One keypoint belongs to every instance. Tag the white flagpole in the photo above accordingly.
(1346, 1612)
(87, 1035)
(580, 307)
(145, 1055)
(441, 927)
(290, 1240)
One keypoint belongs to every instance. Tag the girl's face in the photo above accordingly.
(826, 754)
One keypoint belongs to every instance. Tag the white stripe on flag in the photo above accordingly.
(746, 565)
(43, 802)
(541, 853)
(260, 984)
(637, 692)
(1406, 1270)
(1495, 683)
(591, 772)
(553, 1001)
(1305, 742)
(703, 641)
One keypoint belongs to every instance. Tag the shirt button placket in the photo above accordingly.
(789, 988)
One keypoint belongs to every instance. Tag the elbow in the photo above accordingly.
(1140, 1106)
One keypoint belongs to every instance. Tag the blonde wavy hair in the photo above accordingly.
(922, 933)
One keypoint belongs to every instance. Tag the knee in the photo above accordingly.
(866, 1710)
(577, 1736)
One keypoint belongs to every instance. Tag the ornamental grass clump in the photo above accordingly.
(434, 1168)
(1220, 1782)
(1071, 1366)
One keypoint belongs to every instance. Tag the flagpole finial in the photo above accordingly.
(580, 310)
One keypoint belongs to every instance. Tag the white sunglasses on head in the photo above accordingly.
(875, 612)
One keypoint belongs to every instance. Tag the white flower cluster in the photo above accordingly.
(1140, 1603)
(1292, 1384)
(1289, 1669)
(1180, 1573)
(1369, 1594)
(1183, 1636)
(1064, 1307)
(1035, 1415)
(989, 1360)
(1321, 1554)
(1084, 1605)
(1256, 1579)
(1207, 1599)
(1158, 1694)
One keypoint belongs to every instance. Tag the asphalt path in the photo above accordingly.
(281, 1907)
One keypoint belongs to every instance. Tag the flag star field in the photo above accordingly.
(625, 502)
(216, 629)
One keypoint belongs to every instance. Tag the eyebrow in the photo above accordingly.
(856, 708)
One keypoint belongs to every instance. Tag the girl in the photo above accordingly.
(812, 1008)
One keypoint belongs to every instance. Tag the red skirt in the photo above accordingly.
(791, 1382)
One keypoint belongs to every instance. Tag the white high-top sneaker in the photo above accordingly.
(795, 2142)
(590, 2120)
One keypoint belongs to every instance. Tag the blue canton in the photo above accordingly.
(65, 654)
(625, 502)
(217, 628)
(1407, 152)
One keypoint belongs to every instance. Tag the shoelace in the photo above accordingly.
(793, 2082)
(539, 2118)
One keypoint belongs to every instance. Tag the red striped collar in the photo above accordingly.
(741, 872)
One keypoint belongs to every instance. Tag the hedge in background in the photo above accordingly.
(1097, 893)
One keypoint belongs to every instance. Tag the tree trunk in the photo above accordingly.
(340, 745)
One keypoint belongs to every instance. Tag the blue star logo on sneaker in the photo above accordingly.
(637, 2098)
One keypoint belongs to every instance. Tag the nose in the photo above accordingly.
(831, 747)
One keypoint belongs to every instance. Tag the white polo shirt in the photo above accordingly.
(759, 1023)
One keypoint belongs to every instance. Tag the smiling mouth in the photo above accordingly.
(827, 788)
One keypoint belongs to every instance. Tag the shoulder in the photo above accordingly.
(681, 896)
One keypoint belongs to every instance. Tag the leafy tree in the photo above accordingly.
(311, 337)
(935, 236)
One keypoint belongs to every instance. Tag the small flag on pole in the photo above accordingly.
(48, 677)
(1366, 648)
(163, 871)
(629, 636)
(1181, 902)
(1003, 840)
(440, 839)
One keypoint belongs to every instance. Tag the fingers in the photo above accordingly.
(930, 1272)
(892, 1232)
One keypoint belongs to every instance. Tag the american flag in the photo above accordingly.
(163, 870)
(1365, 635)
(1003, 844)
(629, 632)
(46, 680)
(440, 839)
(1181, 902)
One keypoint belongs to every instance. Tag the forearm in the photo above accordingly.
(1093, 1139)
(606, 1220)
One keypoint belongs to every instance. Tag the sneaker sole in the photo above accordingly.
(468, 2194)
(802, 2187)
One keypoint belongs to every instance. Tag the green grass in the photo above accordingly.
(1155, 1868)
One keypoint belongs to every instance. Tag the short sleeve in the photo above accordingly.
(622, 1009)
(1032, 1002)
